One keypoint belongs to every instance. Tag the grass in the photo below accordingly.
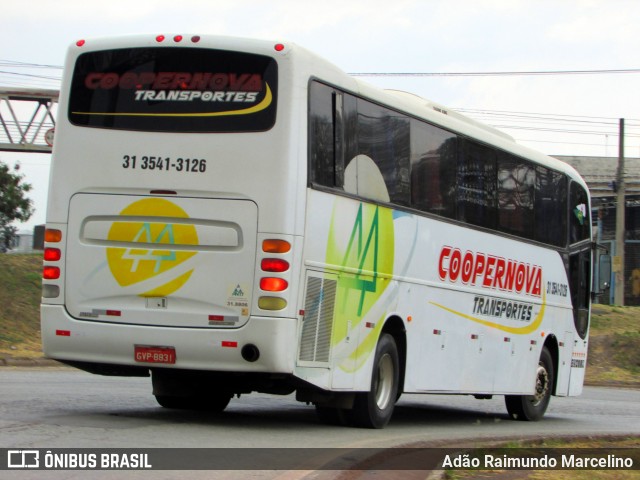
(614, 346)
(20, 287)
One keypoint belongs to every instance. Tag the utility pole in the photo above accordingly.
(618, 261)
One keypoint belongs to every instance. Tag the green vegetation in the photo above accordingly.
(20, 285)
(614, 346)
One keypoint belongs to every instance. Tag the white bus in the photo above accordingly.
(231, 216)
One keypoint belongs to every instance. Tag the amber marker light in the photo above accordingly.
(273, 245)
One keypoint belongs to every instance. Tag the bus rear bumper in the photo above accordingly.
(269, 344)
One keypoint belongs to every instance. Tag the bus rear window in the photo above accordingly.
(174, 90)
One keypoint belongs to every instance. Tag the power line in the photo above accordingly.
(13, 63)
(612, 120)
(496, 73)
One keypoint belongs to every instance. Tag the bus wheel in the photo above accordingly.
(533, 407)
(214, 403)
(373, 409)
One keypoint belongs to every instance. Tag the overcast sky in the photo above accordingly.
(389, 36)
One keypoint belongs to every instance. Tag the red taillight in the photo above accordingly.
(274, 265)
(273, 284)
(52, 254)
(52, 235)
(50, 273)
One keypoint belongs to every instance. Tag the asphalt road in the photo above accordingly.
(65, 408)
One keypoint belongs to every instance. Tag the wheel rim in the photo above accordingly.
(385, 381)
(542, 385)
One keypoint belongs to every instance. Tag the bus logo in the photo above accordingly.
(149, 234)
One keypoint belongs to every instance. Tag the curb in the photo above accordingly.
(28, 362)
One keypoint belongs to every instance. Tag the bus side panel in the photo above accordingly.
(475, 306)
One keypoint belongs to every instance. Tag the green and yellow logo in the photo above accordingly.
(133, 265)
(365, 254)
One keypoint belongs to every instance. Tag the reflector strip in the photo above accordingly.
(63, 333)
(216, 318)
(113, 313)
(229, 344)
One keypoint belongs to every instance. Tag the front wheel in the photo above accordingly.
(373, 409)
(533, 407)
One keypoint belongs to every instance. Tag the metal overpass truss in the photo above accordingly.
(27, 119)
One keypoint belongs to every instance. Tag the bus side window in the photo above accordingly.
(477, 188)
(550, 207)
(322, 152)
(579, 216)
(433, 169)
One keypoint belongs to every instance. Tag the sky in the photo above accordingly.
(400, 36)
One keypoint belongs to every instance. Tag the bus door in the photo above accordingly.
(580, 288)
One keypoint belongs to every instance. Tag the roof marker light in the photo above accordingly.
(195, 38)
(278, 47)
(177, 38)
(160, 38)
(80, 43)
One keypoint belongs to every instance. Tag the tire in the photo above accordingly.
(211, 403)
(373, 409)
(533, 407)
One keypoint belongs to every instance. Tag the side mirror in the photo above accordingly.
(604, 272)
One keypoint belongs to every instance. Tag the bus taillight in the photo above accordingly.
(274, 265)
(273, 284)
(50, 273)
(273, 245)
(51, 235)
(52, 254)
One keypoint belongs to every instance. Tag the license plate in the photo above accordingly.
(149, 354)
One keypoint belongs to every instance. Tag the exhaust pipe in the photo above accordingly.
(250, 353)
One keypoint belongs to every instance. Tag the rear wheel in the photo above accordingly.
(373, 409)
(533, 407)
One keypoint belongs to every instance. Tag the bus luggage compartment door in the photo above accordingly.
(167, 261)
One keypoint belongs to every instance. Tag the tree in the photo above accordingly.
(14, 205)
